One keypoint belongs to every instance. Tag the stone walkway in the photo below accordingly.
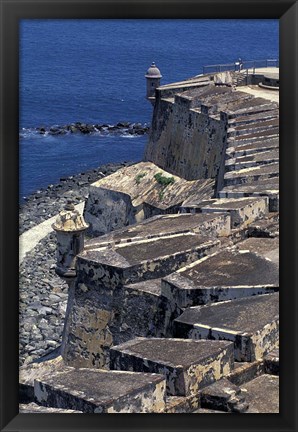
(272, 95)
(29, 239)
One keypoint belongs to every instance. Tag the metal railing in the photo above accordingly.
(237, 66)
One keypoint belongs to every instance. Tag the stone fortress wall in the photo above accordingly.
(174, 307)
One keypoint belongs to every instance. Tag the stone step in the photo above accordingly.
(164, 225)
(101, 391)
(251, 175)
(267, 228)
(246, 371)
(252, 128)
(262, 394)
(261, 123)
(254, 102)
(38, 370)
(188, 365)
(271, 362)
(250, 108)
(146, 259)
(223, 276)
(254, 135)
(223, 102)
(256, 146)
(253, 141)
(252, 118)
(242, 211)
(252, 323)
(268, 248)
(268, 187)
(33, 408)
(224, 396)
(144, 299)
(182, 404)
(254, 159)
(96, 320)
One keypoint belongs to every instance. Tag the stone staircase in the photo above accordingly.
(206, 317)
(179, 313)
(240, 79)
(252, 154)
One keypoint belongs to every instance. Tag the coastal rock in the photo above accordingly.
(86, 128)
(49, 201)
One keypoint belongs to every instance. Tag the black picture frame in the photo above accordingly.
(11, 12)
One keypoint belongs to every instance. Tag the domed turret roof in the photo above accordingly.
(70, 220)
(153, 72)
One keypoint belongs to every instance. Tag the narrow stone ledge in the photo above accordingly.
(243, 211)
(271, 362)
(188, 365)
(262, 394)
(224, 396)
(251, 323)
(222, 276)
(98, 391)
(250, 175)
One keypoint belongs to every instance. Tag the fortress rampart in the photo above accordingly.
(175, 299)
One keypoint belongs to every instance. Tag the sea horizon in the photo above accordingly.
(92, 71)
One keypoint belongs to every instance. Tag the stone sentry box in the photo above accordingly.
(70, 227)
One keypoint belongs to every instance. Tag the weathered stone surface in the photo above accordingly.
(160, 226)
(98, 391)
(208, 411)
(254, 134)
(223, 396)
(249, 107)
(249, 175)
(177, 128)
(182, 404)
(222, 276)
(252, 147)
(243, 211)
(252, 118)
(28, 373)
(251, 323)
(259, 125)
(271, 362)
(266, 247)
(135, 193)
(235, 131)
(33, 408)
(262, 394)
(221, 102)
(96, 319)
(188, 365)
(268, 188)
(245, 371)
(265, 228)
(145, 259)
(146, 312)
(259, 158)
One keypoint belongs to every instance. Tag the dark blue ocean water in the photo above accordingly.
(92, 71)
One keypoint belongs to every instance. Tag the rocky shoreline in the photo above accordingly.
(43, 295)
(42, 305)
(47, 202)
(126, 128)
